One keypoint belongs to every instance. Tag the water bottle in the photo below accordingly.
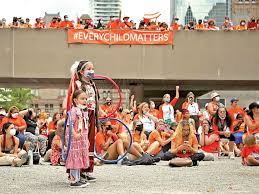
(30, 154)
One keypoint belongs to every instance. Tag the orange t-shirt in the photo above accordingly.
(125, 25)
(186, 154)
(66, 24)
(99, 140)
(19, 122)
(54, 25)
(247, 150)
(253, 131)
(176, 27)
(52, 126)
(113, 24)
(200, 27)
(234, 111)
(154, 112)
(154, 135)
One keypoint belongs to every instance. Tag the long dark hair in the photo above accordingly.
(5, 127)
(216, 118)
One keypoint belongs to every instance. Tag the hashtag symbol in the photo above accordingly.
(76, 36)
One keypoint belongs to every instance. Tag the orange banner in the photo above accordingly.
(112, 37)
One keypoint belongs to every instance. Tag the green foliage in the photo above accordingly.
(20, 97)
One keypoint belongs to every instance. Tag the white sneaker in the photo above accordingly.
(231, 156)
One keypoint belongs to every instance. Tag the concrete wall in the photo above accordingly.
(30, 53)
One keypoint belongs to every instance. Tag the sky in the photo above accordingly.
(74, 8)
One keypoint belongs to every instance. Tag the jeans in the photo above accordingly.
(21, 138)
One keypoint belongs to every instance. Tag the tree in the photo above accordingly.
(20, 97)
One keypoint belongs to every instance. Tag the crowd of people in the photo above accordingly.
(159, 132)
(127, 24)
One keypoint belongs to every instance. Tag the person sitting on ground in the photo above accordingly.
(235, 109)
(193, 108)
(209, 142)
(221, 125)
(185, 146)
(250, 153)
(111, 147)
(146, 118)
(56, 146)
(187, 117)
(2, 115)
(52, 127)
(166, 110)
(10, 154)
(139, 136)
(213, 104)
(152, 109)
(238, 129)
(252, 119)
(19, 124)
(159, 140)
(127, 120)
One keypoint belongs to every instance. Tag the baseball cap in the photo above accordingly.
(234, 99)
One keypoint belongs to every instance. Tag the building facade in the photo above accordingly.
(200, 8)
(51, 100)
(218, 13)
(189, 16)
(104, 9)
(244, 9)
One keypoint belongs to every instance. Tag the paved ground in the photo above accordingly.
(223, 176)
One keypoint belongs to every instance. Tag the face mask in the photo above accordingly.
(139, 127)
(144, 112)
(66, 19)
(166, 99)
(15, 115)
(89, 74)
(162, 128)
(82, 107)
(13, 132)
(109, 127)
(217, 98)
(242, 23)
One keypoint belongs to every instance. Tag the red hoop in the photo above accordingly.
(118, 90)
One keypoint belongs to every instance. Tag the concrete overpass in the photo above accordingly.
(199, 61)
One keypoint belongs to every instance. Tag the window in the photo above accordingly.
(253, 1)
(51, 108)
(46, 108)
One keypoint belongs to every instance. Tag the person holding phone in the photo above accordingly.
(185, 146)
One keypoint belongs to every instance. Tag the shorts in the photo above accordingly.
(231, 138)
(238, 137)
